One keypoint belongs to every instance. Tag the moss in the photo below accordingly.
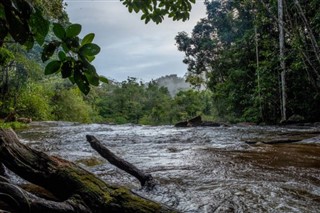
(134, 203)
(14, 125)
(93, 187)
(90, 162)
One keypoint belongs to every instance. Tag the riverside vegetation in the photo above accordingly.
(235, 48)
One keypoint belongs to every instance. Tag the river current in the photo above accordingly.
(207, 169)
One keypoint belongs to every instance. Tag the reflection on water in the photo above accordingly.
(199, 169)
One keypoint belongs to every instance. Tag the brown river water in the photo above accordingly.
(208, 169)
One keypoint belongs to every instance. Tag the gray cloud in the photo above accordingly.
(128, 46)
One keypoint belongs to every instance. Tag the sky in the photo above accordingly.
(129, 47)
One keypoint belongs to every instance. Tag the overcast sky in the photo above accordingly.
(128, 46)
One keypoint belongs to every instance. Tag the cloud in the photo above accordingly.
(130, 47)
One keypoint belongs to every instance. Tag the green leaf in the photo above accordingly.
(62, 56)
(93, 78)
(103, 79)
(90, 58)
(29, 43)
(82, 82)
(52, 67)
(59, 31)
(3, 31)
(87, 39)
(65, 47)
(49, 49)
(18, 28)
(73, 30)
(136, 8)
(72, 43)
(24, 7)
(66, 69)
(39, 26)
(90, 49)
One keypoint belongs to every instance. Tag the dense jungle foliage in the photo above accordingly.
(46, 71)
(235, 52)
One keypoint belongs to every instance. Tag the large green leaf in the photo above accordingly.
(103, 79)
(66, 69)
(59, 31)
(72, 43)
(3, 31)
(90, 49)
(87, 39)
(18, 28)
(52, 67)
(73, 30)
(93, 79)
(24, 7)
(90, 72)
(39, 26)
(81, 81)
(49, 49)
(62, 56)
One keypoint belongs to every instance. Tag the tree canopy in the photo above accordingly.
(234, 51)
(26, 23)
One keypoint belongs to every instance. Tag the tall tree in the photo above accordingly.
(282, 62)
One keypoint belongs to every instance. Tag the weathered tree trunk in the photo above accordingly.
(77, 189)
(282, 62)
(146, 180)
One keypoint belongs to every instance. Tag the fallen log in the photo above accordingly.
(77, 189)
(146, 180)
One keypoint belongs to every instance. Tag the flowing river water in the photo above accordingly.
(207, 169)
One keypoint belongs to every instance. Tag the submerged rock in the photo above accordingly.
(197, 121)
(291, 137)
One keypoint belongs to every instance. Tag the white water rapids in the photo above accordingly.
(197, 169)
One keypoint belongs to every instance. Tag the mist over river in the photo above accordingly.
(201, 169)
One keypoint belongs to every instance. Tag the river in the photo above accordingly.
(199, 169)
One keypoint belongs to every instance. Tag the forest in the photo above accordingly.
(233, 53)
(260, 59)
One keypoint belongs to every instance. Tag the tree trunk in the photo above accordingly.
(282, 62)
(256, 39)
(77, 189)
(146, 180)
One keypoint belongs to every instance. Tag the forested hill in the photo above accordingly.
(173, 83)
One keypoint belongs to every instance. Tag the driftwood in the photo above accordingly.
(146, 180)
(195, 122)
(76, 189)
